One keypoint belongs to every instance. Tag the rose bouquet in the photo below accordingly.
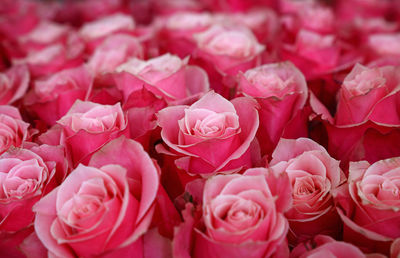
(198, 128)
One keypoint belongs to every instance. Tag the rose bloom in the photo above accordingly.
(369, 204)
(53, 96)
(166, 76)
(242, 216)
(223, 51)
(229, 49)
(13, 130)
(101, 209)
(14, 82)
(94, 32)
(281, 91)
(365, 119)
(325, 246)
(88, 126)
(313, 175)
(212, 135)
(176, 34)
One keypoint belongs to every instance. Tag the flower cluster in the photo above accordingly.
(199, 128)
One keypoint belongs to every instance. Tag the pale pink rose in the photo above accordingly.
(263, 22)
(369, 205)
(325, 246)
(176, 34)
(52, 96)
(13, 130)
(212, 135)
(54, 57)
(166, 76)
(93, 33)
(229, 49)
(88, 126)
(13, 84)
(112, 52)
(383, 45)
(26, 175)
(313, 175)
(242, 216)
(44, 34)
(281, 91)
(103, 209)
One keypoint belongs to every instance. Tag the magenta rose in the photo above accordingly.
(313, 175)
(103, 209)
(13, 130)
(241, 216)
(166, 76)
(212, 135)
(369, 204)
(88, 126)
(52, 97)
(13, 84)
(281, 91)
(325, 246)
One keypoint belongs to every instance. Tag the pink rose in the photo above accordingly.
(223, 51)
(52, 97)
(325, 246)
(348, 10)
(281, 91)
(27, 174)
(103, 209)
(54, 57)
(366, 119)
(112, 52)
(167, 76)
(383, 45)
(13, 84)
(369, 205)
(313, 175)
(88, 126)
(176, 35)
(242, 215)
(93, 33)
(229, 49)
(13, 130)
(194, 133)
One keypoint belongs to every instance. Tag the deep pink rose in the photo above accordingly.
(350, 9)
(13, 84)
(53, 96)
(166, 76)
(369, 204)
(242, 216)
(313, 176)
(13, 130)
(88, 126)
(212, 135)
(325, 246)
(103, 209)
(281, 91)
(366, 121)
(176, 35)
(93, 33)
